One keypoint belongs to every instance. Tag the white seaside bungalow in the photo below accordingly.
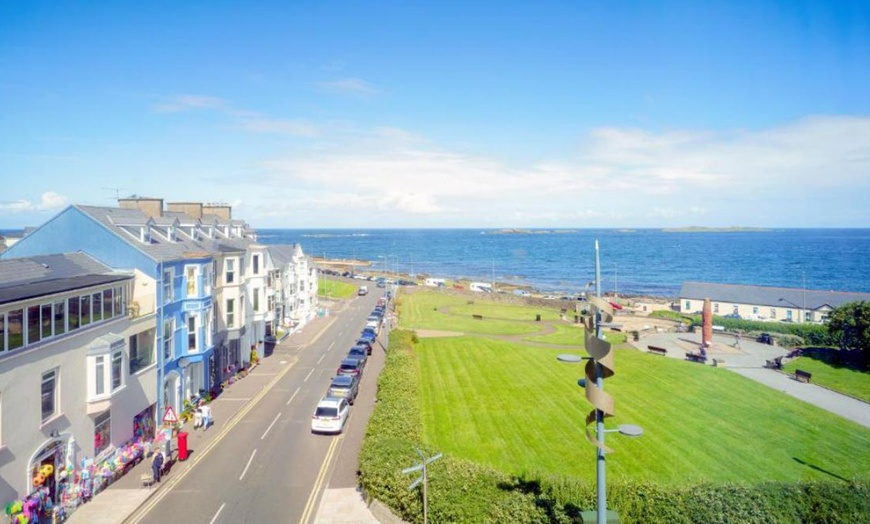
(772, 304)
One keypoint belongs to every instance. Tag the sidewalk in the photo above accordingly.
(748, 360)
(121, 499)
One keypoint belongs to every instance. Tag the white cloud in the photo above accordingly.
(618, 177)
(49, 201)
(355, 87)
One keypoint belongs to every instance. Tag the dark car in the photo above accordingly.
(369, 333)
(364, 343)
(359, 353)
(350, 366)
(344, 386)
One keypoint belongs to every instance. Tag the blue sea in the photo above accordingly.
(633, 262)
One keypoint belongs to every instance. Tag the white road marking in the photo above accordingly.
(308, 375)
(214, 519)
(270, 426)
(293, 396)
(248, 465)
(321, 358)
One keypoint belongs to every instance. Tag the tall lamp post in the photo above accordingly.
(599, 366)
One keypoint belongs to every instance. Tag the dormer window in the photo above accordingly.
(170, 233)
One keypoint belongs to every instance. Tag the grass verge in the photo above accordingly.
(846, 380)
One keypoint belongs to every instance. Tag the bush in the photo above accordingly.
(463, 491)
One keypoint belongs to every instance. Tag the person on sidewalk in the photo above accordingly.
(157, 465)
(205, 412)
(737, 340)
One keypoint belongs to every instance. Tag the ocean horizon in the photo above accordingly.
(649, 262)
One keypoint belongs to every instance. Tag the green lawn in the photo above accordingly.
(334, 289)
(845, 380)
(518, 409)
(428, 310)
(572, 335)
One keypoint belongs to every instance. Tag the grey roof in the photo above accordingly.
(29, 277)
(159, 249)
(282, 254)
(769, 296)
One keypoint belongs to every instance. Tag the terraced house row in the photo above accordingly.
(109, 315)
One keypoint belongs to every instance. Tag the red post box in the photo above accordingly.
(182, 445)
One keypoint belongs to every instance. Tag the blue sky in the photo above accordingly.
(442, 114)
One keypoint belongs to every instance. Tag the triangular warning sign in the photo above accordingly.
(169, 416)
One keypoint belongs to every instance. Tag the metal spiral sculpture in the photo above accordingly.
(601, 353)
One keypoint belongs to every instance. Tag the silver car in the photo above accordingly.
(344, 386)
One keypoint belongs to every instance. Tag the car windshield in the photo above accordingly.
(349, 365)
(342, 381)
(326, 412)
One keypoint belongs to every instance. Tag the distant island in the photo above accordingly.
(528, 231)
(700, 229)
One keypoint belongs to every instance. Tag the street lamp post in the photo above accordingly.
(601, 358)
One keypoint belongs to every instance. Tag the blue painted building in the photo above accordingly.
(172, 253)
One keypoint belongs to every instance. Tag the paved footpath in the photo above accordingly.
(117, 502)
(749, 361)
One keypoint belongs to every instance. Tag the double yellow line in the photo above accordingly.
(152, 501)
(321, 477)
(149, 505)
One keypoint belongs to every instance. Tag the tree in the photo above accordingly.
(849, 325)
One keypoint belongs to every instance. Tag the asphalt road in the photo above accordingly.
(269, 467)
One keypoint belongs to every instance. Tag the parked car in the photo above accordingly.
(350, 366)
(365, 343)
(359, 353)
(330, 415)
(369, 333)
(344, 386)
(765, 338)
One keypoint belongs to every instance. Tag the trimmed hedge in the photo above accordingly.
(464, 491)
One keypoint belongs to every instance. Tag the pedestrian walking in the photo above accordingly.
(205, 412)
(157, 465)
(737, 340)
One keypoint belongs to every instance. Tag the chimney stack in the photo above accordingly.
(193, 209)
(224, 211)
(153, 207)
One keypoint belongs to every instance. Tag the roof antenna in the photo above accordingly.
(117, 191)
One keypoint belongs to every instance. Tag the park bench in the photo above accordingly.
(802, 376)
(696, 357)
(477, 317)
(655, 350)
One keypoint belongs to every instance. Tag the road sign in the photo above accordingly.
(418, 467)
(422, 466)
(415, 483)
(169, 416)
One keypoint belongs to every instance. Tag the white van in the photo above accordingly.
(363, 290)
(483, 287)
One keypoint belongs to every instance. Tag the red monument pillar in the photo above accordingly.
(707, 324)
